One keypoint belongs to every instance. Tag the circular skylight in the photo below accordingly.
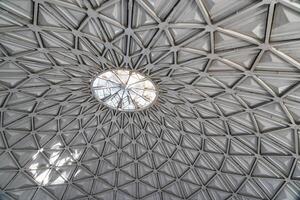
(124, 90)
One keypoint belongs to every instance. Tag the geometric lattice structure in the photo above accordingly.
(124, 90)
(225, 124)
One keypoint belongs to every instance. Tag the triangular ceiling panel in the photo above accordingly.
(224, 123)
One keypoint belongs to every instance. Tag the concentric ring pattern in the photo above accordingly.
(225, 124)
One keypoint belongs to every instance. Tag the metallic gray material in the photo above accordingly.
(225, 124)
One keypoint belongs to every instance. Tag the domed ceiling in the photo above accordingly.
(225, 124)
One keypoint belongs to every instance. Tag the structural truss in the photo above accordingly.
(225, 124)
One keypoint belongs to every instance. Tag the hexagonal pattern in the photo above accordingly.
(225, 124)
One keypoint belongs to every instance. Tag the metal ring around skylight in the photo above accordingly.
(124, 90)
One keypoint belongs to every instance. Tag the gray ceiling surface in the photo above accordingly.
(226, 124)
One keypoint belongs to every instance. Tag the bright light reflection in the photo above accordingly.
(47, 174)
(124, 90)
